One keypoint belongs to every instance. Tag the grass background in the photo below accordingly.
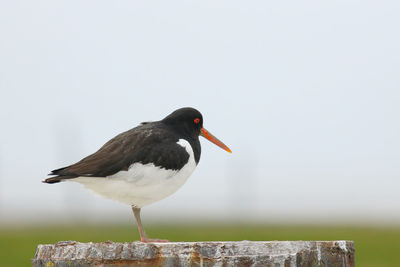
(375, 246)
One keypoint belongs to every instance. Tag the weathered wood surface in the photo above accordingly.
(243, 253)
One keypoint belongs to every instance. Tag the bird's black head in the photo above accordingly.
(187, 121)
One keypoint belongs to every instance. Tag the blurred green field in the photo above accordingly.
(374, 246)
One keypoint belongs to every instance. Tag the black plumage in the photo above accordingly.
(150, 142)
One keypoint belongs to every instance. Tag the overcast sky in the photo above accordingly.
(305, 93)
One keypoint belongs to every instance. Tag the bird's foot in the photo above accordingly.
(153, 240)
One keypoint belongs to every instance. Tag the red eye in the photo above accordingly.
(197, 120)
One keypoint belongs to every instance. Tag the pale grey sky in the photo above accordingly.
(306, 94)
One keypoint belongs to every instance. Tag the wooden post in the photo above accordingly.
(243, 253)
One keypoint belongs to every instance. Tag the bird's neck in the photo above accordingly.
(195, 143)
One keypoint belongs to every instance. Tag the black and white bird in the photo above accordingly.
(145, 164)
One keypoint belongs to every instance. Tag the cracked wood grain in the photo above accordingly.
(238, 253)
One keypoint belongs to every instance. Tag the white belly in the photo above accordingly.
(141, 184)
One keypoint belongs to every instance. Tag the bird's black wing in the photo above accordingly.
(148, 143)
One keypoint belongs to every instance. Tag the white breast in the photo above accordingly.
(141, 184)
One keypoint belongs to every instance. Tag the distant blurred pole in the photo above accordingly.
(1, 188)
(68, 145)
(242, 186)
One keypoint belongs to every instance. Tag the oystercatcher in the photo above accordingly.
(144, 164)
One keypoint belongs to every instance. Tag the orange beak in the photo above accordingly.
(215, 140)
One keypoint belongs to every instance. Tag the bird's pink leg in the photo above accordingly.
(142, 233)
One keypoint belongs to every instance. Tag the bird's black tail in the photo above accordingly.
(61, 175)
